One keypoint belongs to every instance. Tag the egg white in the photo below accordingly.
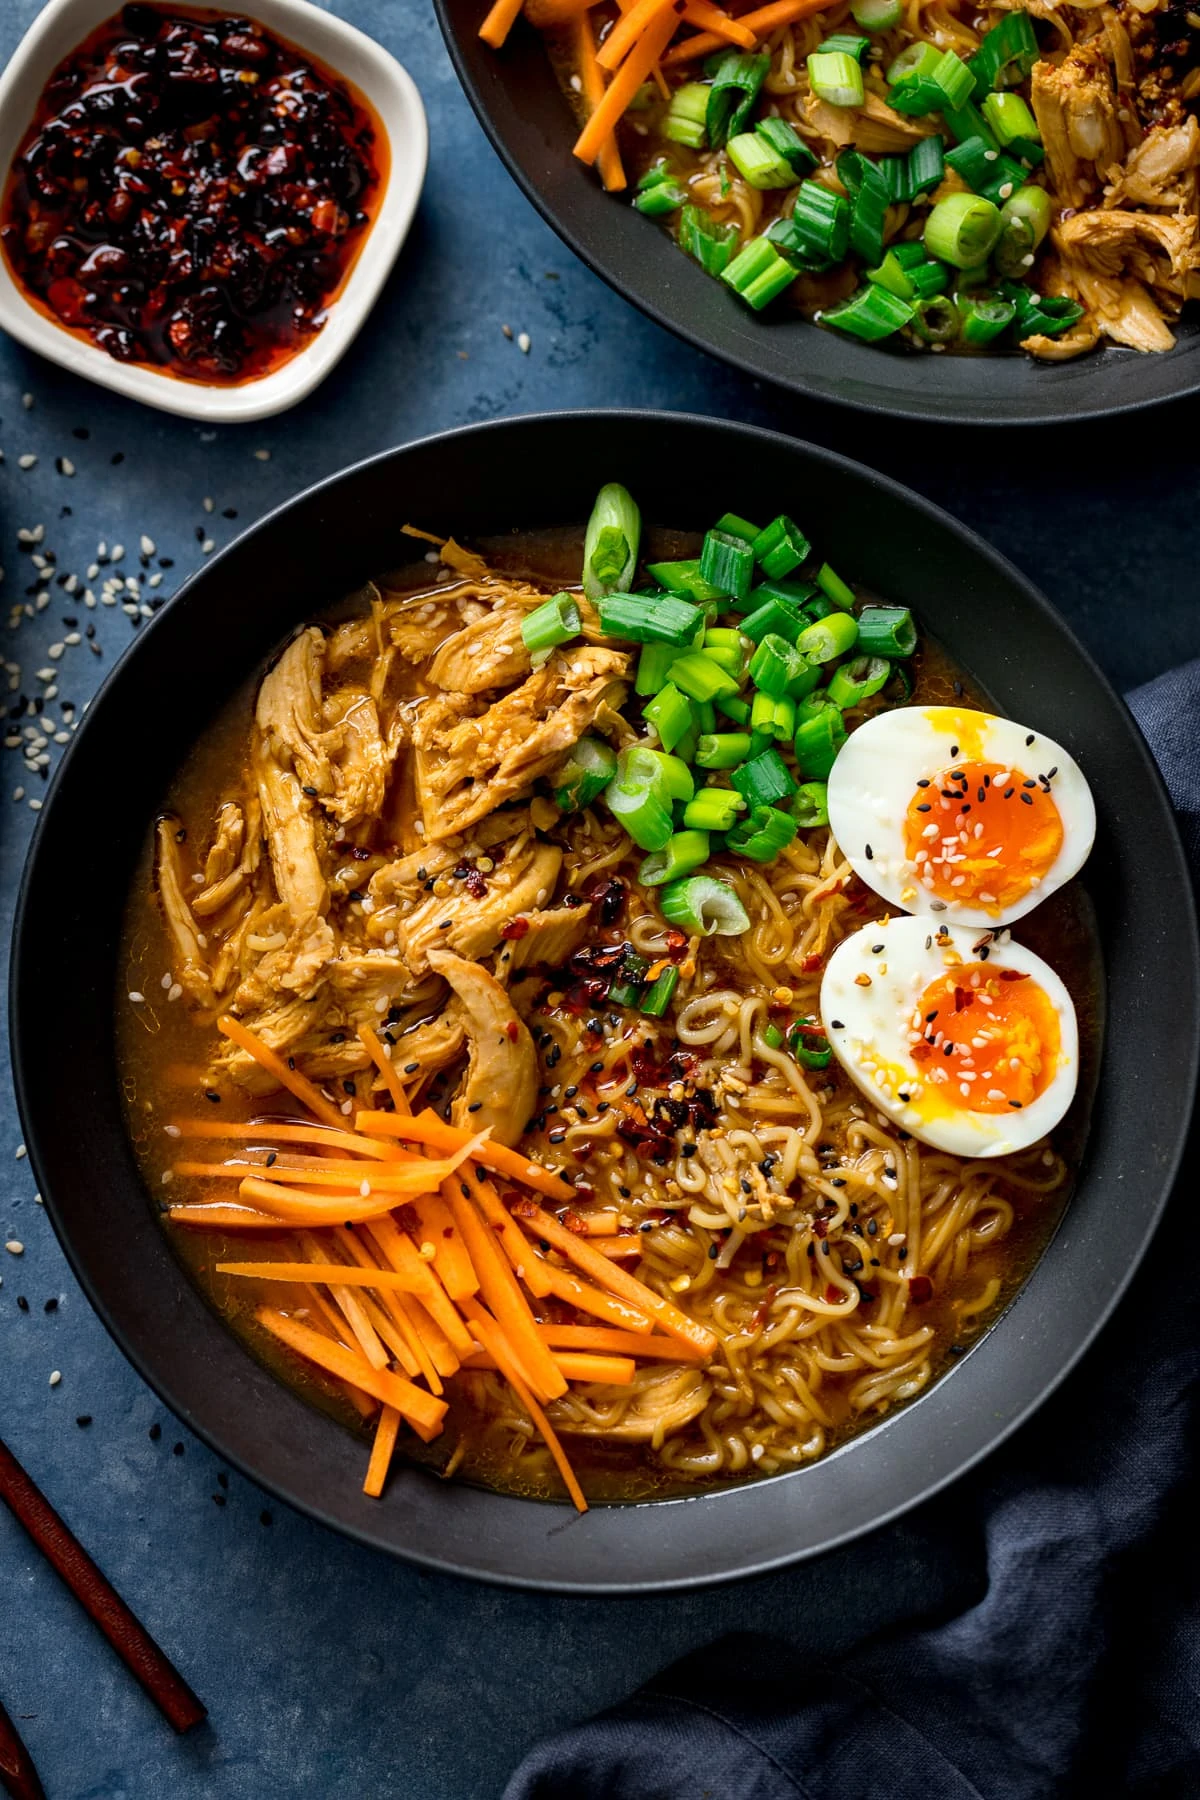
(868, 1028)
(876, 775)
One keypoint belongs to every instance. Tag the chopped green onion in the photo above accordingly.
(1028, 152)
(821, 641)
(713, 809)
(732, 95)
(926, 166)
(821, 220)
(915, 96)
(733, 708)
(679, 780)
(786, 142)
(928, 279)
(1009, 117)
(778, 669)
(1047, 317)
(908, 255)
(983, 319)
(846, 42)
(961, 229)
(773, 717)
(661, 198)
(870, 314)
(758, 274)
(780, 547)
(763, 780)
(657, 997)
(587, 771)
(762, 835)
(809, 1045)
(650, 618)
(877, 15)
(722, 749)
(654, 668)
(771, 1036)
(820, 607)
(712, 245)
(639, 799)
(937, 320)
(794, 594)
(734, 525)
(610, 546)
(966, 122)
(759, 741)
(727, 563)
(853, 682)
(810, 805)
(899, 690)
(955, 81)
(721, 637)
(1006, 177)
(757, 163)
(867, 186)
(1007, 54)
(726, 657)
(701, 677)
(773, 617)
(917, 59)
(671, 716)
(974, 160)
(683, 852)
(684, 579)
(819, 736)
(705, 907)
(831, 584)
(1024, 222)
(626, 990)
(552, 623)
(686, 115)
(886, 631)
(836, 78)
(891, 275)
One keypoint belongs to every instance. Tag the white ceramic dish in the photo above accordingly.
(345, 51)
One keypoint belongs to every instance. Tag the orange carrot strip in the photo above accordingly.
(404, 1344)
(397, 1308)
(766, 19)
(331, 1316)
(499, 1288)
(608, 1342)
(298, 1207)
(579, 1365)
(224, 1218)
(513, 1239)
(628, 29)
(706, 17)
(350, 1303)
(432, 1344)
(320, 1172)
(381, 1452)
(452, 1259)
(272, 1132)
(494, 1341)
(499, 22)
(423, 1411)
(383, 1063)
(585, 1298)
(599, 1224)
(427, 1128)
(618, 1281)
(545, 15)
(291, 1079)
(326, 1272)
(398, 1250)
(591, 80)
(625, 84)
(619, 1248)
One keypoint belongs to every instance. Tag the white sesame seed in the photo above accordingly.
(174, 991)
(262, 455)
(508, 331)
(207, 547)
(18, 793)
(15, 1247)
(523, 342)
(73, 637)
(42, 601)
(55, 1377)
(65, 466)
(31, 534)
(27, 402)
(35, 806)
(118, 551)
(146, 545)
(21, 1153)
(207, 503)
(93, 571)
(55, 651)
(138, 999)
(27, 461)
(154, 580)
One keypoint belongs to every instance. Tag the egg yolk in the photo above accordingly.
(980, 833)
(985, 1039)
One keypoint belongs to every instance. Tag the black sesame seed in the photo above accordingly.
(83, 1421)
(1028, 799)
(222, 1478)
(176, 1449)
(475, 1106)
(836, 1025)
(51, 1305)
(870, 854)
(714, 1250)
(155, 1432)
(411, 1068)
(266, 1518)
(22, 1303)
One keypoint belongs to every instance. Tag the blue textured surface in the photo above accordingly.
(329, 1671)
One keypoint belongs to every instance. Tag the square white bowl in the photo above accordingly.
(344, 51)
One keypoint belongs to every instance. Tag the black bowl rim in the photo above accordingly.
(1063, 411)
(1036, 1392)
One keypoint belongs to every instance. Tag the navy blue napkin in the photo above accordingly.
(1077, 1671)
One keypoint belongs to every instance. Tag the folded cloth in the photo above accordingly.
(1077, 1670)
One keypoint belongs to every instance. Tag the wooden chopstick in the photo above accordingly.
(99, 1599)
(17, 1773)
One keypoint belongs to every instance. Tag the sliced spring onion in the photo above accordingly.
(734, 708)
(734, 525)
(657, 997)
(701, 677)
(908, 255)
(721, 637)
(731, 97)
(679, 780)
(820, 607)
(705, 715)
(983, 318)
(727, 563)
(773, 617)
(961, 229)
(937, 320)
(786, 142)
(1007, 54)
(722, 749)
(846, 42)
(728, 657)
(654, 668)
(670, 713)
(626, 990)
(682, 852)
(1028, 152)
(780, 547)
(870, 314)
(763, 780)
(762, 835)
(776, 668)
(915, 59)
(650, 618)
(886, 631)
(891, 275)
(853, 682)
(1024, 222)
(789, 593)
(1010, 117)
(1006, 177)
(810, 805)
(713, 809)
(683, 578)
(610, 546)
(705, 907)
(826, 638)
(870, 198)
(687, 114)
(877, 15)
(925, 166)
(773, 717)
(951, 76)
(639, 799)
(554, 622)
(712, 245)
(836, 78)
(756, 162)
(927, 279)
(772, 1037)
(758, 273)
(1049, 316)
(809, 1045)
(587, 771)
(820, 734)
(974, 160)
(967, 122)
(759, 741)
(837, 590)
(661, 198)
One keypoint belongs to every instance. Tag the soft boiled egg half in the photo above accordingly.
(968, 1041)
(946, 810)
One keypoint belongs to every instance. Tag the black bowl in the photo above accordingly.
(541, 472)
(522, 109)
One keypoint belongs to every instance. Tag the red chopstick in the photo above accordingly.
(124, 1631)
(17, 1773)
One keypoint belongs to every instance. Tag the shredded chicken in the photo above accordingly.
(1075, 105)
(500, 1089)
